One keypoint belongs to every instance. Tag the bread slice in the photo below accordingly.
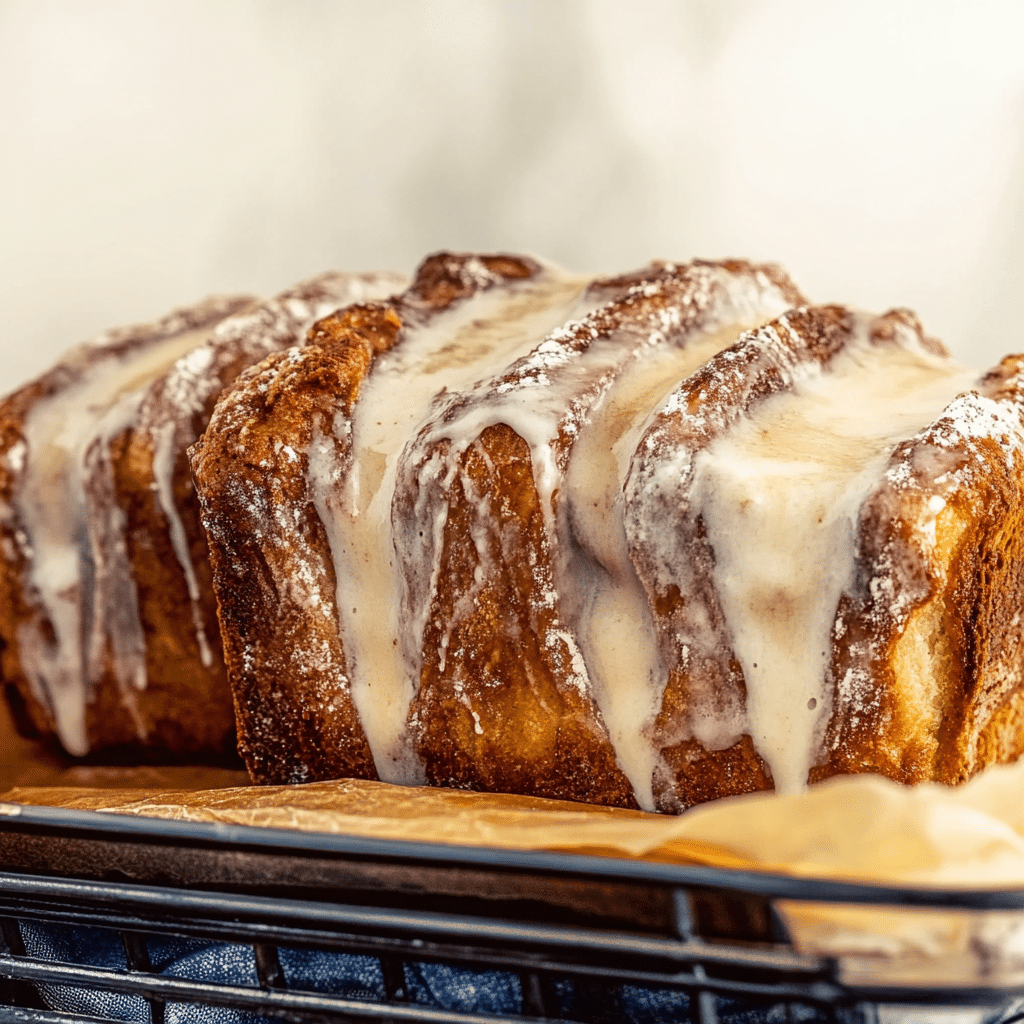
(292, 475)
(106, 612)
(826, 521)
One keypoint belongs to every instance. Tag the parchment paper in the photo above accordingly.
(855, 827)
(861, 828)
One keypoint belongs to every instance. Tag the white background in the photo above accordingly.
(154, 151)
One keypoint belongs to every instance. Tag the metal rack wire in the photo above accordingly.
(562, 937)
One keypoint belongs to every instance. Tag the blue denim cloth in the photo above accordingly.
(360, 977)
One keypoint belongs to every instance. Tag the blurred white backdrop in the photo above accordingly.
(154, 151)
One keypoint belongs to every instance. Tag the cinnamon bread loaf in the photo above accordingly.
(644, 540)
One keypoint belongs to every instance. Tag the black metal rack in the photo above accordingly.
(90, 903)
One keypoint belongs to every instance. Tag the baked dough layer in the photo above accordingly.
(107, 614)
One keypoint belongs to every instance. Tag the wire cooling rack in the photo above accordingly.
(106, 917)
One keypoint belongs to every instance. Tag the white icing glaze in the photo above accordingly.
(473, 341)
(613, 619)
(534, 398)
(79, 566)
(780, 494)
(194, 379)
(164, 452)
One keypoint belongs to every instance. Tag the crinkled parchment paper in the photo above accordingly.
(855, 827)
(862, 828)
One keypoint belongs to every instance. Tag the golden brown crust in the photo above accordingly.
(690, 774)
(186, 706)
(443, 278)
(296, 719)
(933, 680)
(494, 711)
(273, 570)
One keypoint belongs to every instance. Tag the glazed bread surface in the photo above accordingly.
(107, 615)
(645, 540)
(826, 522)
(406, 525)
